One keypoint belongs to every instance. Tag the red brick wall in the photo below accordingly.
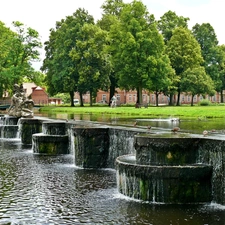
(39, 97)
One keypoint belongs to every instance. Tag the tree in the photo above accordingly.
(168, 22)
(62, 73)
(91, 60)
(195, 82)
(162, 78)
(112, 7)
(166, 25)
(184, 53)
(6, 39)
(206, 37)
(138, 48)
(18, 50)
(111, 14)
(221, 65)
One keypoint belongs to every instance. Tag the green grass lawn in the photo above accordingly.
(152, 111)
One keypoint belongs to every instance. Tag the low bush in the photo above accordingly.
(204, 102)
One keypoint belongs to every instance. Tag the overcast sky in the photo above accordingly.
(42, 15)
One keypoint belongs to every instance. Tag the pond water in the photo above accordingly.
(38, 189)
(214, 126)
(52, 190)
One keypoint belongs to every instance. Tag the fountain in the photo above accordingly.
(154, 167)
(175, 169)
(53, 140)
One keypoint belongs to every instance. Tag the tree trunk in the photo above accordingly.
(221, 96)
(90, 98)
(171, 100)
(192, 100)
(71, 98)
(156, 98)
(112, 91)
(178, 98)
(139, 95)
(81, 99)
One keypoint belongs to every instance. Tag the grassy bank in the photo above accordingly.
(163, 111)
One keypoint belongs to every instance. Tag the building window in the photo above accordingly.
(104, 97)
(189, 99)
(118, 98)
(134, 98)
(152, 97)
(144, 97)
(130, 98)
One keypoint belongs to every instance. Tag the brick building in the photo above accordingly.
(130, 97)
(40, 97)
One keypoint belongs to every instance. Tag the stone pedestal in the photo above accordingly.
(50, 144)
(28, 127)
(91, 147)
(165, 170)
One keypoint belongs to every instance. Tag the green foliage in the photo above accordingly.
(196, 81)
(204, 102)
(138, 50)
(93, 65)
(213, 57)
(64, 96)
(168, 22)
(17, 50)
(62, 73)
(184, 53)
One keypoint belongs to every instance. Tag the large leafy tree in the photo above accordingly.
(211, 53)
(6, 38)
(195, 81)
(19, 49)
(184, 53)
(138, 47)
(91, 60)
(62, 72)
(221, 65)
(169, 21)
(166, 25)
(111, 15)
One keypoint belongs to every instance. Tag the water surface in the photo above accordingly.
(38, 189)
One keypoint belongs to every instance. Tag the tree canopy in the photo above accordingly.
(17, 51)
(139, 49)
(185, 54)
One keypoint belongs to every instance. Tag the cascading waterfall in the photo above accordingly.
(164, 171)
(9, 127)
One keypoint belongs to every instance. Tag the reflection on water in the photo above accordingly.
(216, 125)
(51, 190)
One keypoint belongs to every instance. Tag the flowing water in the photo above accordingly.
(37, 189)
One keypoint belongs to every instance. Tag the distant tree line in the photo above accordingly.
(127, 48)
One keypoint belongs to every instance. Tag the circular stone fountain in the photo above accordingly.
(164, 170)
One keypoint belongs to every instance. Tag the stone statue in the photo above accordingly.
(20, 106)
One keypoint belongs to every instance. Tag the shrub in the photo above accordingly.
(204, 102)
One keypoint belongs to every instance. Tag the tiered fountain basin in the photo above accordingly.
(9, 128)
(53, 140)
(165, 170)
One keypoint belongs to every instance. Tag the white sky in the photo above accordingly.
(42, 15)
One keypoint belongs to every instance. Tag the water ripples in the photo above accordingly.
(43, 190)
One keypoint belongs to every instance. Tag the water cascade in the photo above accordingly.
(168, 168)
(9, 127)
(165, 170)
(53, 140)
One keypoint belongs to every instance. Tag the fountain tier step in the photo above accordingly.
(164, 184)
(50, 144)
